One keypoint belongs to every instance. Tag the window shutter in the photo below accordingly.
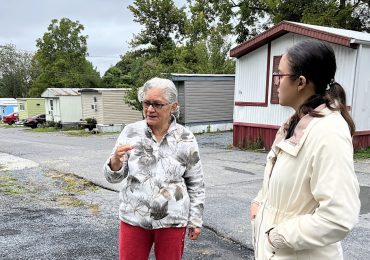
(275, 68)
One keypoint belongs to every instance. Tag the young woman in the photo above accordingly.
(309, 200)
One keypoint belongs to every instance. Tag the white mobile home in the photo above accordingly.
(63, 105)
(257, 113)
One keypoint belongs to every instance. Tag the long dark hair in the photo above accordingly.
(315, 61)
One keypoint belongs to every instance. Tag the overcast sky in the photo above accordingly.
(108, 24)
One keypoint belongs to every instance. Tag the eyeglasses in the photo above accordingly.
(277, 76)
(155, 105)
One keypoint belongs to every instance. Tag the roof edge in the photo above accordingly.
(285, 27)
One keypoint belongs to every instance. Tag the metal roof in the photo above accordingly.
(8, 101)
(64, 91)
(355, 36)
(100, 90)
(203, 77)
(342, 37)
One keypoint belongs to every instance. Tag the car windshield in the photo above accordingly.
(36, 116)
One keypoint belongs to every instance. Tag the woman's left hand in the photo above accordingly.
(194, 232)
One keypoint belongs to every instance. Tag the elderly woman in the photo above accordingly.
(163, 189)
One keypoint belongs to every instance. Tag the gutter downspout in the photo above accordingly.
(355, 81)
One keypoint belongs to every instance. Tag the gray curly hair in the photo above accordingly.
(169, 88)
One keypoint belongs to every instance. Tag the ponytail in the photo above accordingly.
(334, 98)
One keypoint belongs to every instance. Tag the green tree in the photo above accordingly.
(170, 43)
(15, 71)
(163, 23)
(61, 58)
(246, 18)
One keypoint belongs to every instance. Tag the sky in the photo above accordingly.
(108, 24)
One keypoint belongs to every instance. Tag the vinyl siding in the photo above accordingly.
(209, 101)
(70, 109)
(116, 111)
(360, 101)
(250, 77)
(87, 99)
(32, 107)
(274, 114)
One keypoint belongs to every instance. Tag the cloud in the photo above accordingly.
(108, 24)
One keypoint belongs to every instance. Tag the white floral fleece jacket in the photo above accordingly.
(162, 181)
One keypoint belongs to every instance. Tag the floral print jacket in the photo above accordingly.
(162, 181)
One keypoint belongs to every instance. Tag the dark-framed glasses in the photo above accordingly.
(277, 76)
(155, 105)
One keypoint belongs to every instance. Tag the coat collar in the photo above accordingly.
(294, 144)
(171, 128)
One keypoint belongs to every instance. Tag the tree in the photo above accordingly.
(246, 18)
(61, 58)
(163, 22)
(170, 43)
(15, 71)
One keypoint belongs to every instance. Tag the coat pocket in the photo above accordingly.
(270, 251)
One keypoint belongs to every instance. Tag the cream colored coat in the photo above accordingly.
(310, 194)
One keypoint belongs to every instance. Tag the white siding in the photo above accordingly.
(70, 108)
(53, 115)
(272, 115)
(250, 78)
(47, 109)
(361, 100)
(276, 114)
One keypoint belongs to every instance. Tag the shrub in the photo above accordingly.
(91, 120)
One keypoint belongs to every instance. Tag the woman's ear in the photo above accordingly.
(173, 107)
(302, 82)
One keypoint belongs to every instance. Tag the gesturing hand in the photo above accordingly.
(118, 156)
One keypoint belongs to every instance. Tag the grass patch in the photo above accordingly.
(362, 154)
(73, 186)
(44, 129)
(9, 185)
(81, 132)
(67, 200)
(72, 183)
(2, 125)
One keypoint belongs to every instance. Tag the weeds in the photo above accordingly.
(362, 154)
(10, 185)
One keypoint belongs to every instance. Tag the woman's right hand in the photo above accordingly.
(117, 158)
(253, 210)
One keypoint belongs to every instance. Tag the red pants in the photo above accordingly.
(135, 243)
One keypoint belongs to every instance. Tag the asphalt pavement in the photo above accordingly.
(232, 178)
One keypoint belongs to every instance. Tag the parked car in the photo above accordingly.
(35, 121)
(11, 118)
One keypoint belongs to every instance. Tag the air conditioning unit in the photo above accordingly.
(95, 107)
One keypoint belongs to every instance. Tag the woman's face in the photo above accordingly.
(157, 110)
(288, 89)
